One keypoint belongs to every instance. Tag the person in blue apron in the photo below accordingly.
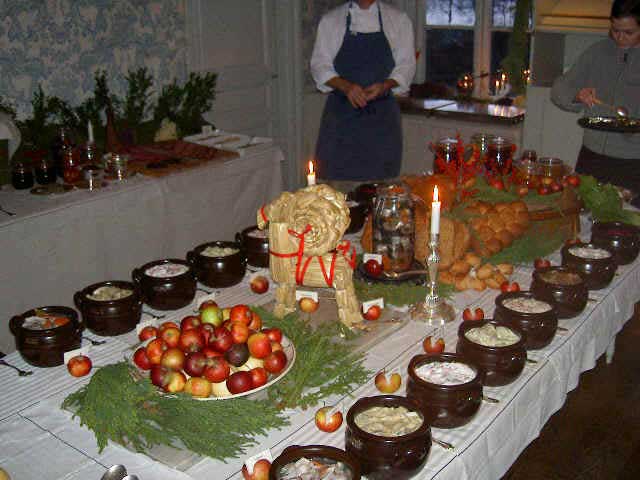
(363, 55)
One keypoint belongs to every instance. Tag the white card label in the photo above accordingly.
(74, 353)
(251, 461)
(206, 129)
(376, 301)
(306, 294)
(149, 322)
(372, 256)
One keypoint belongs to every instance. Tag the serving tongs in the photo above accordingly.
(21, 373)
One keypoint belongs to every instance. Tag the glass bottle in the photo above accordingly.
(21, 174)
(394, 226)
(44, 169)
(71, 172)
(61, 143)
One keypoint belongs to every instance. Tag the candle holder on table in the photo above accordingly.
(434, 310)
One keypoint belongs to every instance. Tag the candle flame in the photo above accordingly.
(435, 194)
(310, 166)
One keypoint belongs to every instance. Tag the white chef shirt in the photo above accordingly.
(397, 28)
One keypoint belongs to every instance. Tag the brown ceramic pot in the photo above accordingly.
(218, 272)
(539, 328)
(501, 365)
(357, 212)
(294, 453)
(110, 317)
(45, 348)
(597, 273)
(621, 239)
(170, 293)
(444, 406)
(256, 249)
(387, 457)
(569, 299)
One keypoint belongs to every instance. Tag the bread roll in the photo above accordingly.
(484, 272)
(505, 268)
(472, 259)
(460, 267)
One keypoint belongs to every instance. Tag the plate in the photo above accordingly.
(287, 347)
(417, 278)
(611, 124)
(51, 189)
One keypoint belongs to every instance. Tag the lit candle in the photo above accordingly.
(90, 131)
(311, 177)
(435, 212)
(497, 85)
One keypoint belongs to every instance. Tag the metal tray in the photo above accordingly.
(611, 124)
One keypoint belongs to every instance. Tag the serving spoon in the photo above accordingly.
(622, 112)
(396, 275)
(21, 373)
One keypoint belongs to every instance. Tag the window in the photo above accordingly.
(466, 36)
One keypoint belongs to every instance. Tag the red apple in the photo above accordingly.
(259, 345)
(388, 384)
(543, 190)
(237, 355)
(373, 313)
(431, 345)
(211, 314)
(547, 181)
(259, 376)
(211, 352)
(274, 334)
(189, 322)
(541, 263)
(79, 366)
(275, 362)
(522, 191)
(259, 284)
(207, 303)
(173, 358)
(141, 360)
(195, 364)
(177, 381)
(155, 349)
(572, 241)
(168, 325)
(328, 424)
(147, 332)
(497, 183)
(191, 341)
(573, 180)
(373, 267)
(239, 382)
(556, 187)
(207, 330)
(308, 304)
(509, 287)
(171, 336)
(477, 314)
(198, 387)
(239, 332)
(260, 470)
(241, 314)
(256, 322)
(217, 370)
(159, 376)
(222, 340)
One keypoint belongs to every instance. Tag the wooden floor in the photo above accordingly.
(596, 435)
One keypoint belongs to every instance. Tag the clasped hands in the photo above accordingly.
(359, 96)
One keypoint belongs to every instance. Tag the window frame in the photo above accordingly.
(483, 30)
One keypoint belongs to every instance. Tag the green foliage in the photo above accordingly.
(400, 294)
(516, 60)
(136, 104)
(604, 202)
(526, 249)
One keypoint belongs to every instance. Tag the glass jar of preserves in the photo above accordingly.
(58, 147)
(527, 173)
(394, 226)
(551, 167)
(71, 172)
(500, 155)
(480, 142)
(21, 173)
(445, 149)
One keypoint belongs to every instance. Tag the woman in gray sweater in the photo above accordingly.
(608, 72)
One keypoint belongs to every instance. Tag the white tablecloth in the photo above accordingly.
(57, 245)
(484, 448)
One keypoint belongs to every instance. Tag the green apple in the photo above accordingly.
(212, 315)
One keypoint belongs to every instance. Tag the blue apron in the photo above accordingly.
(361, 143)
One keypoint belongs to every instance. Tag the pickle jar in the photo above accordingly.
(445, 149)
(500, 155)
(394, 226)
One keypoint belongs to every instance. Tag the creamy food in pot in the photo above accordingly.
(166, 270)
(109, 292)
(388, 421)
(446, 373)
(590, 253)
(218, 251)
(526, 305)
(257, 233)
(556, 277)
(316, 469)
(44, 321)
(491, 336)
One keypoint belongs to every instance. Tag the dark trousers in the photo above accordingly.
(623, 172)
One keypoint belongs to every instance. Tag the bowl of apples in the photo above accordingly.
(216, 354)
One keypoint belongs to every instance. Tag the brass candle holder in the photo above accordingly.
(434, 310)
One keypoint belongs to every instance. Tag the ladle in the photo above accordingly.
(622, 112)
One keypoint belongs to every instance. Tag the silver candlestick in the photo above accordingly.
(434, 310)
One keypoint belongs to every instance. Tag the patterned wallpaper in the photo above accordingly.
(60, 43)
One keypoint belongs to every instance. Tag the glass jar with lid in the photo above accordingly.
(551, 167)
(500, 155)
(480, 142)
(394, 226)
(446, 149)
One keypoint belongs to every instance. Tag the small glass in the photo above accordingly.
(530, 155)
(500, 155)
(93, 175)
(527, 173)
(393, 226)
(21, 174)
(71, 172)
(116, 166)
(551, 167)
(446, 149)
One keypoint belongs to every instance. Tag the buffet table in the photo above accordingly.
(59, 448)
(55, 245)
